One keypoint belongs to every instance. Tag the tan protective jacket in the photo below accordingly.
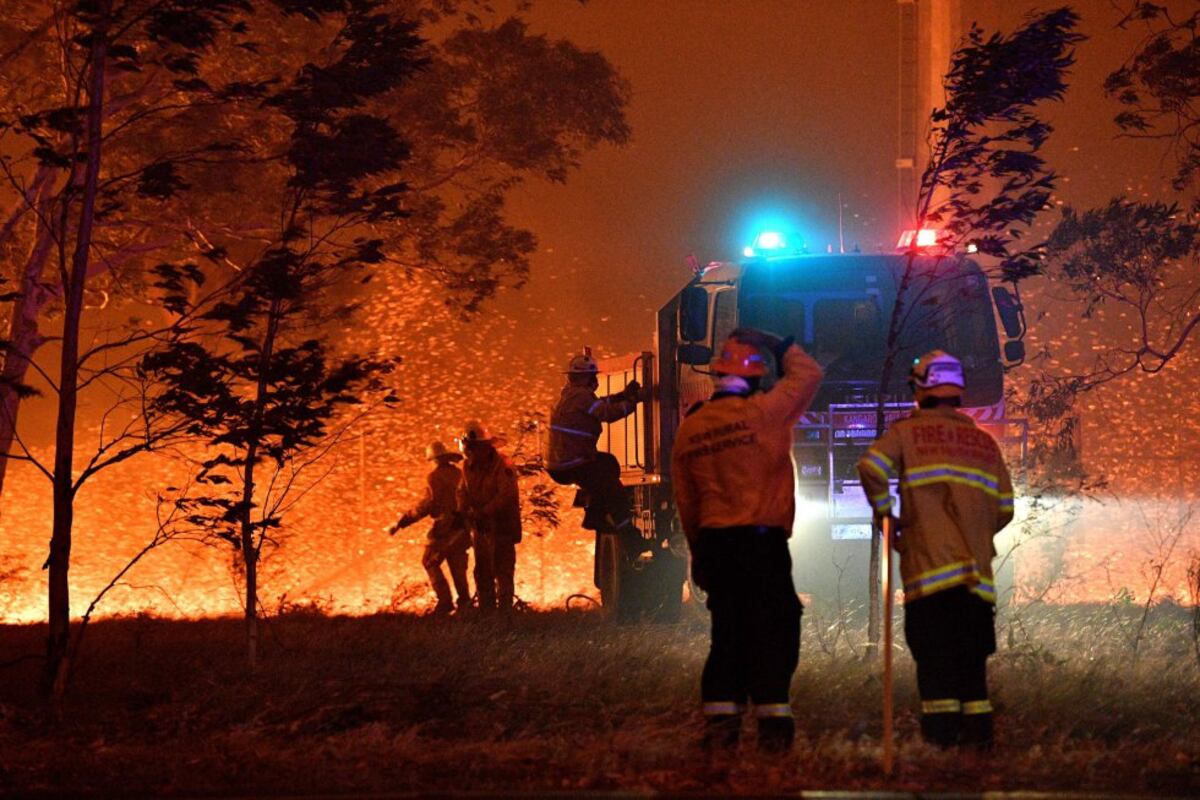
(575, 424)
(955, 495)
(490, 495)
(441, 502)
(732, 461)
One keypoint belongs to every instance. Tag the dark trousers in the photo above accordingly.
(495, 565)
(455, 557)
(951, 634)
(747, 573)
(601, 479)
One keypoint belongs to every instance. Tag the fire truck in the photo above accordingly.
(838, 307)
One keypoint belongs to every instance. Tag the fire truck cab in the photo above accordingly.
(838, 307)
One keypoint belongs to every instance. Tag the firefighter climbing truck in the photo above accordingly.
(839, 308)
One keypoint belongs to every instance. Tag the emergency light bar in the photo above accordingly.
(766, 242)
(925, 237)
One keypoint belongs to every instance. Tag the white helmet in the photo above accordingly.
(938, 372)
(474, 431)
(583, 363)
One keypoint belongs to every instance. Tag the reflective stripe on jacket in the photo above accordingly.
(441, 502)
(731, 464)
(575, 424)
(955, 495)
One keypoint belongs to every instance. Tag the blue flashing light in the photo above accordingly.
(770, 240)
(770, 235)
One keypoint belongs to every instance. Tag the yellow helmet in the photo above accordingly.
(438, 450)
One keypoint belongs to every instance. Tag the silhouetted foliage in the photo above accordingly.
(255, 375)
(1135, 261)
(1159, 84)
(986, 180)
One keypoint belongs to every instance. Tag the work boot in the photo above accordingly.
(776, 734)
(721, 732)
(941, 730)
(977, 732)
(443, 608)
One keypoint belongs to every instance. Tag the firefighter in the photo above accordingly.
(955, 495)
(574, 432)
(735, 489)
(448, 539)
(490, 499)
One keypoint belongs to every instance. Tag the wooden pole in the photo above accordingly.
(889, 753)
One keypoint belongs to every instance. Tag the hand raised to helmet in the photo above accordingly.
(777, 345)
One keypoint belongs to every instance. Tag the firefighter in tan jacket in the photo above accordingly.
(490, 497)
(448, 539)
(731, 469)
(955, 495)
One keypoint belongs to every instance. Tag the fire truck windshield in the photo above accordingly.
(840, 307)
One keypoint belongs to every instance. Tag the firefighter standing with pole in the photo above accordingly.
(955, 494)
(888, 532)
(734, 485)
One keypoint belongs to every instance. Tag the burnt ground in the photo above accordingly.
(563, 701)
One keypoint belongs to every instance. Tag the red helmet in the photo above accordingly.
(739, 358)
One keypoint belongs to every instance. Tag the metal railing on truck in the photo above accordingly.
(630, 439)
(829, 444)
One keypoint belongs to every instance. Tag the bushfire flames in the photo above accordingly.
(333, 552)
(336, 557)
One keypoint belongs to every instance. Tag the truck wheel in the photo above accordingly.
(608, 570)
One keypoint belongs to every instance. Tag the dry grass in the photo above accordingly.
(565, 701)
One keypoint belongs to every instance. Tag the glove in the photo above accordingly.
(879, 518)
(780, 348)
(633, 391)
(766, 340)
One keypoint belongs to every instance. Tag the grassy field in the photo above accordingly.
(558, 701)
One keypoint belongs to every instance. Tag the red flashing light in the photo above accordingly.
(925, 237)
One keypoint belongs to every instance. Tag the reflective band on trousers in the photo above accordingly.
(721, 709)
(977, 707)
(940, 707)
(773, 710)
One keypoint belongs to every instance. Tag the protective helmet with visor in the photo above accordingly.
(741, 359)
(937, 373)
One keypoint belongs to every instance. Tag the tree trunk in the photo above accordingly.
(250, 547)
(64, 442)
(24, 339)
